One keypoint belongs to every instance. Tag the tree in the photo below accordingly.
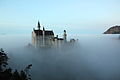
(8, 74)
(3, 60)
(26, 70)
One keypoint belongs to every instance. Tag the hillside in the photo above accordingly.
(113, 30)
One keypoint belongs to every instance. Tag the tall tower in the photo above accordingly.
(65, 35)
(43, 36)
(38, 25)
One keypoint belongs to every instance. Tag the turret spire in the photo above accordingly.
(43, 28)
(43, 36)
(65, 35)
(38, 25)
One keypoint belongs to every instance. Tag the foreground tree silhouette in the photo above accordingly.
(8, 74)
(3, 60)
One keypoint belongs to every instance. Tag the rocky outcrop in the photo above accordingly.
(113, 30)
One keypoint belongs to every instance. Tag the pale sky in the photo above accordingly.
(76, 16)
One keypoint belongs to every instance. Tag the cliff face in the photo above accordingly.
(113, 30)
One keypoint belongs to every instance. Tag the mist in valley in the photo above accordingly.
(93, 57)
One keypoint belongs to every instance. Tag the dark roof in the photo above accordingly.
(40, 32)
(49, 33)
(58, 38)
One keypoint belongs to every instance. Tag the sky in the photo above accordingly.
(76, 16)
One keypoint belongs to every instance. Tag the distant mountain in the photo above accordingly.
(113, 30)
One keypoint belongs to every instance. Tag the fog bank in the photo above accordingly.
(94, 57)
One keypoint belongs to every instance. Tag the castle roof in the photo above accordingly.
(49, 33)
(40, 32)
(58, 38)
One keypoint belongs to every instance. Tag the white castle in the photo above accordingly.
(41, 38)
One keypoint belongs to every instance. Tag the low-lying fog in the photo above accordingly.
(93, 57)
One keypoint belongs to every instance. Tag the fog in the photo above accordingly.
(93, 57)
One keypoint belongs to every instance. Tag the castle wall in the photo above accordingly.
(57, 43)
(39, 40)
(46, 38)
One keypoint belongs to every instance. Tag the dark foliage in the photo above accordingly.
(3, 60)
(8, 74)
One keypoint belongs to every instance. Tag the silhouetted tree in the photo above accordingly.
(23, 75)
(15, 75)
(8, 74)
(3, 60)
(26, 70)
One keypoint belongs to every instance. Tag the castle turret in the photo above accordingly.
(65, 35)
(38, 25)
(43, 36)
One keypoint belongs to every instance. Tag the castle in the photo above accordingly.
(43, 38)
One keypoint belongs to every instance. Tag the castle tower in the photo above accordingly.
(38, 25)
(65, 35)
(43, 36)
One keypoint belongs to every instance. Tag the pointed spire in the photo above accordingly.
(38, 25)
(65, 35)
(43, 28)
(64, 31)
